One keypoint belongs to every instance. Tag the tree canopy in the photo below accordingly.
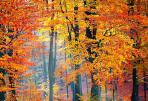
(105, 39)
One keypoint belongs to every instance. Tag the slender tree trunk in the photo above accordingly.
(61, 82)
(44, 71)
(106, 93)
(116, 94)
(55, 53)
(66, 73)
(2, 94)
(72, 82)
(113, 94)
(77, 85)
(67, 87)
(80, 85)
(99, 97)
(77, 66)
(34, 70)
(86, 76)
(50, 64)
(145, 86)
(50, 68)
(61, 73)
(135, 96)
(114, 89)
(73, 86)
(73, 90)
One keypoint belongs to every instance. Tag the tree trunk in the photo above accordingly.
(77, 85)
(94, 89)
(145, 86)
(66, 72)
(44, 72)
(99, 97)
(86, 76)
(50, 64)
(114, 90)
(2, 71)
(61, 73)
(73, 90)
(106, 93)
(12, 86)
(50, 68)
(80, 85)
(73, 86)
(113, 94)
(34, 70)
(77, 66)
(135, 96)
(72, 82)
(55, 52)
(2, 94)
(67, 87)
(144, 75)
(92, 35)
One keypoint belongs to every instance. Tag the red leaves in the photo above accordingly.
(18, 20)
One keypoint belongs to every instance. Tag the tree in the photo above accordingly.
(50, 66)
(135, 95)
(107, 34)
(2, 71)
(16, 40)
(77, 66)
(44, 70)
(136, 33)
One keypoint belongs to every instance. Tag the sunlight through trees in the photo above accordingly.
(73, 50)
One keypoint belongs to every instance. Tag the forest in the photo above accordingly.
(73, 50)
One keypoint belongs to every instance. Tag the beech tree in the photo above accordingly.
(137, 8)
(18, 20)
(82, 43)
(106, 24)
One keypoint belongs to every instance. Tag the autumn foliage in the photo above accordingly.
(17, 40)
(106, 38)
